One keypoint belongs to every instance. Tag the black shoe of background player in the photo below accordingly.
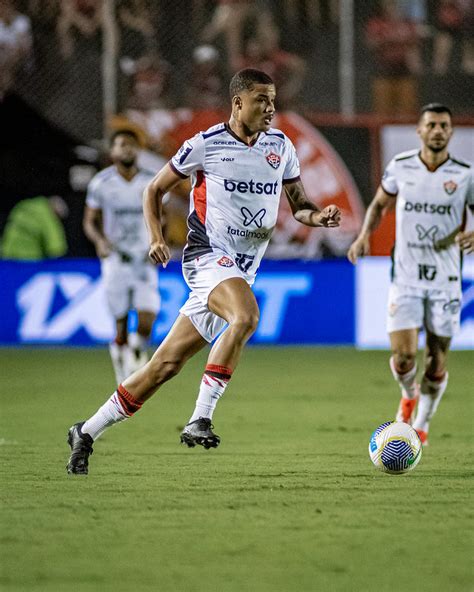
(81, 449)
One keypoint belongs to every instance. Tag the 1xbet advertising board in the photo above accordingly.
(63, 303)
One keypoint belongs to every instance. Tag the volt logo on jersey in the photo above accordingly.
(273, 160)
(423, 233)
(249, 217)
(450, 187)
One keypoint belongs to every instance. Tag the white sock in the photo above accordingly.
(118, 354)
(430, 398)
(210, 391)
(120, 406)
(407, 381)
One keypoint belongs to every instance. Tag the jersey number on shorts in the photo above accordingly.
(243, 261)
(426, 272)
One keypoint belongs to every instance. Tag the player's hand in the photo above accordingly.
(359, 248)
(159, 252)
(465, 240)
(103, 248)
(329, 217)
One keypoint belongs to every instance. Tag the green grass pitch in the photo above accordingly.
(288, 502)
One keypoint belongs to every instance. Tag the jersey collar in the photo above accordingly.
(234, 135)
(435, 169)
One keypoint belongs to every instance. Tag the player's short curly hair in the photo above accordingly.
(246, 79)
(436, 108)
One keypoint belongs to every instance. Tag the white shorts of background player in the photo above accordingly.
(128, 286)
(439, 311)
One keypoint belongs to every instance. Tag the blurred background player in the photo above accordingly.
(431, 190)
(113, 221)
(230, 225)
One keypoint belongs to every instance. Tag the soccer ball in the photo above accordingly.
(395, 448)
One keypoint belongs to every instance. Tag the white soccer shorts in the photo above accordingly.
(439, 311)
(202, 275)
(130, 286)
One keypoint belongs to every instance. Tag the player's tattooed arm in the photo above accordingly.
(382, 202)
(153, 195)
(307, 212)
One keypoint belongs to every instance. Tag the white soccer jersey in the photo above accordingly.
(430, 210)
(235, 193)
(122, 210)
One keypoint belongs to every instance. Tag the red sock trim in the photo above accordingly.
(128, 401)
(437, 377)
(219, 371)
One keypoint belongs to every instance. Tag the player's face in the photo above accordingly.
(258, 107)
(435, 130)
(124, 150)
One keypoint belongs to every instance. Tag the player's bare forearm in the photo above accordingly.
(93, 229)
(372, 219)
(153, 211)
(361, 247)
(306, 212)
(165, 180)
(375, 212)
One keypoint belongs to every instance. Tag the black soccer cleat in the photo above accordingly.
(200, 432)
(81, 449)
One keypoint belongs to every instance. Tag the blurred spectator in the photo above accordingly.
(137, 33)
(15, 44)
(319, 13)
(34, 229)
(230, 19)
(44, 10)
(454, 23)
(207, 89)
(149, 80)
(414, 10)
(286, 69)
(394, 43)
(78, 20)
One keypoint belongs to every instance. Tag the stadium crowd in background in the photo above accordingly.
(406, 51)
(15, 44)
(402, 50)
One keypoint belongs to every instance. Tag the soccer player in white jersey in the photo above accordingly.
(432, 190)
(114, 222)
(238, 171)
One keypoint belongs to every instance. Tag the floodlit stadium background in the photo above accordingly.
(162, 68)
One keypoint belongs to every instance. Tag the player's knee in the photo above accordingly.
(404, 361)
(245, 323)
(144, 330)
